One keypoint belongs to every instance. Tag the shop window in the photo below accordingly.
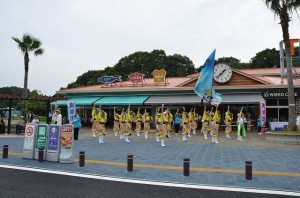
(283, 102)
(271, 102)
(272, 114)
(283, 114)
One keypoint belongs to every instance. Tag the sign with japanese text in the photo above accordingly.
(53, 138)
(136, 77)
(263, 113)
(159, 76)
(66, 137)
(71, 111)
(29, 139)
(41, 136)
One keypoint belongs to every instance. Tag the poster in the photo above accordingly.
(41, 137)
(71, 111)
(66, 136)
(53, 138)
(159, 76)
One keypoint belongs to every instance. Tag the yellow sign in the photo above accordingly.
(159, 76)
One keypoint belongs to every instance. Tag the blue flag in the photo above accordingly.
(203, 87)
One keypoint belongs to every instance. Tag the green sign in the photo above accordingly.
(41, 137)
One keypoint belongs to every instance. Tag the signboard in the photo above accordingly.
(71, 111)
(159, 76)
(263, 113)
(53, 138)
(136, 77)
(276, 95)
(29, 140)
(66, 137)
(41, 137)
(109, 79)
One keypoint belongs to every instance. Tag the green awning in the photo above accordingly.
(78, 100)
(122, 100)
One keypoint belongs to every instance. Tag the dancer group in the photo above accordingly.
(163, 121)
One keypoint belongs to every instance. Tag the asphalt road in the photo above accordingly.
(21, 183)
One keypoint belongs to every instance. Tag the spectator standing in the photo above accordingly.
(298, 121)
(50, 116)
(2, 125)
(177, 121)
(259, 125)
(35, 120)
(248, 117)
(20, 125)
(77, 122)
(57, 118)
(31, 116)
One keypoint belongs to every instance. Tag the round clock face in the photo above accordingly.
(222, 73)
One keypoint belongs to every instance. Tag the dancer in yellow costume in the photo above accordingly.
(122, 119)
(129, 120)
(170, 122)
(138, 122)
(241, 128)
(205, 122)
(101, 119)
(116, 122)
(159, 122)
(166, 120)
(195, 121)
(192, 122)
(147, 121)
(216, 119)
(228, 118)
(95, 112)
(185, 126)
(211, 121)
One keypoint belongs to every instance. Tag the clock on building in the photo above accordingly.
(222, 73)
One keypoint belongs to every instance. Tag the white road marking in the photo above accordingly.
(156, 183)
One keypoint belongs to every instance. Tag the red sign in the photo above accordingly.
(29, 131)
(136, 77)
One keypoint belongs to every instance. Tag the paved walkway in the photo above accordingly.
(275, 166)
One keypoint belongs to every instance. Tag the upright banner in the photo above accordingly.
(41, 140)
(67, 144)
(263, 113)
(29, 141)
(71, 111)
(53, 144)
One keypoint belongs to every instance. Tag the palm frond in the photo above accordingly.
(21, 45)
(39, 51)
(27, 39)
(35, 44)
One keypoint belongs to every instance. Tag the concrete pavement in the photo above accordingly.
(275, 166)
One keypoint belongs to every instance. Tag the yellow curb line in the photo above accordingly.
(181, 168)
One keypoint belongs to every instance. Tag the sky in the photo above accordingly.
(82, 35)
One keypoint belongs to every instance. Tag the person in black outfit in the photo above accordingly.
(177, 121)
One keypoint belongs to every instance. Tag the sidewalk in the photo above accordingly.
(275, 166)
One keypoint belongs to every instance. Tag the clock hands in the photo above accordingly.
(221, 73)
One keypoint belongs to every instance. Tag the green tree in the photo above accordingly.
(26, 45)
(267, 58)
(284, 9)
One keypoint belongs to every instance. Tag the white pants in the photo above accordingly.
(126, 138)
(101, 137)
(157, 138)
(116, 132)
(162, 141)
(122, 135)
(205, 136)
(194, 131)
(227, 135)
(189, 133)
(146, 135)
(138, 133)
(184, 137)
(94, 134)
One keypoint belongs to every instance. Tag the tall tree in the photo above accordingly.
(267, 58)
(284, 9)
(26, 45)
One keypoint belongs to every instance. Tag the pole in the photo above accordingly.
(248, 170)
(186, 167)
(5, 152)
(48, 110)
(129, 163)
(81, 158)
(9, 115)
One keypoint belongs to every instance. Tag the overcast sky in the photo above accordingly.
(82, 35)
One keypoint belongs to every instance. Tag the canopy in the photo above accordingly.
(78, 100)
(122, 100)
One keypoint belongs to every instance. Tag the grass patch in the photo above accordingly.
(286, 132)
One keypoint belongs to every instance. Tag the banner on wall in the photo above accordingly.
(71, 111)
(159, 76)
(263, 113)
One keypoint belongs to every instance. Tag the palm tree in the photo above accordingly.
(284, 9)
(28, 44)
